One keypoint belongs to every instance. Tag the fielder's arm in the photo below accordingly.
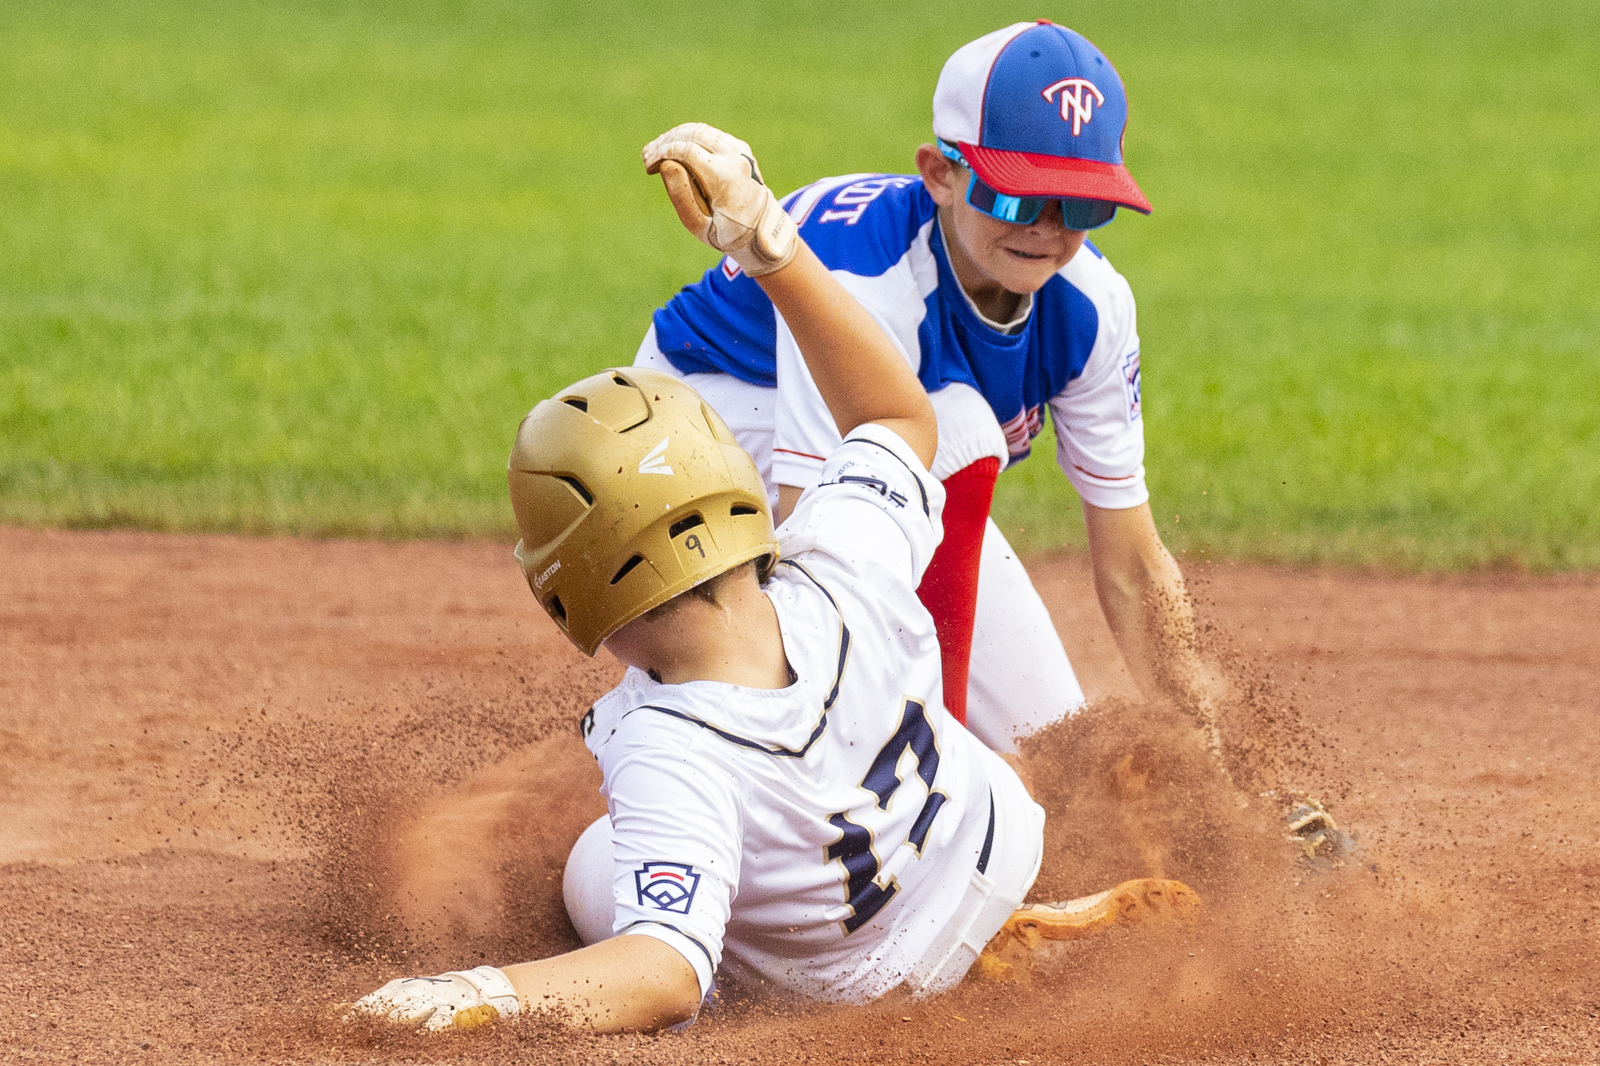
(1147, 605)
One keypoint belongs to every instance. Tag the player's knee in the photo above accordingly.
(586, 885)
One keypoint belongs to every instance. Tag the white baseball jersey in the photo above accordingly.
(825, 834)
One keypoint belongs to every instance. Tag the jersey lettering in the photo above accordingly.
(1021, 430)
(876, 484)
(852, 201)
(867, 885)
(1130, 382)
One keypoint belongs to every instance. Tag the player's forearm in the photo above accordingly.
(625, 984)
(1128, 596)
(861, 375)
(1146, 603)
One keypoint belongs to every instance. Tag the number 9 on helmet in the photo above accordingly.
(629, 490)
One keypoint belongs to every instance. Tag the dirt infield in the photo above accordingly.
(245, 781)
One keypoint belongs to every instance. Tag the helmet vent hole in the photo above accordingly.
(741, 509)
(627, 568)
(558, 612)
(620, 380)
(686, 524)
(577, 401)
(577, 486)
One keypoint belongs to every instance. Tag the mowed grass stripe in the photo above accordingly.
(301, 267)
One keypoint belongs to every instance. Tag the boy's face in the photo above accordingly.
(1018, 258)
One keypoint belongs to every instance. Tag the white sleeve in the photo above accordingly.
(678, 827)
(875, 508)
(805, 433)
(1099, 431)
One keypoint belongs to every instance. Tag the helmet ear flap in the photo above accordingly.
(765, 566)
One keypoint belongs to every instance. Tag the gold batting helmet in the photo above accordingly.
(629, 489)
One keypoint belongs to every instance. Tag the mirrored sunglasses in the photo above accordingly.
(1075, 213)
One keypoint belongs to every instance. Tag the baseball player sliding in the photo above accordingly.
(979, 272)
(788, 796)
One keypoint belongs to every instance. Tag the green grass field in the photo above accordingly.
(302, 266)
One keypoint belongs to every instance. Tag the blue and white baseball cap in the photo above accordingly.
(1037, 110)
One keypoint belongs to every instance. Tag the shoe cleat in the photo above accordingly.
(1146, 901)
(1319, 838)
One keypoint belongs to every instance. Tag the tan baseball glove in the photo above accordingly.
(720, 197)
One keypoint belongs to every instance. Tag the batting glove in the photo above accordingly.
(717, 189)
(460, 999)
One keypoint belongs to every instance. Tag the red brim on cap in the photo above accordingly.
(1026, 174)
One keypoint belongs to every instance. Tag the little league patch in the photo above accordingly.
(667, 886)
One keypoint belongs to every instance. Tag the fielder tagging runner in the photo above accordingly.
(978, 270)
(788, 797)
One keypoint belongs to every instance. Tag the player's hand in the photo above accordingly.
(720, 197)
(461, 999)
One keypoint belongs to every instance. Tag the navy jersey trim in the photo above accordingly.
(844, 633)
(926, 510)
(734, 738)
(988, 839)
(779, 751)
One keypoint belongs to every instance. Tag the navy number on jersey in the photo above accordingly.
(869, 886)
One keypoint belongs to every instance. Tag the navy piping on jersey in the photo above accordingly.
(844, 630)
(920, 487)
(988, 840)
(827, 704)
(693, 940)
(734, 738)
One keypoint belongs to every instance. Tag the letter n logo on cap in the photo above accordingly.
(1076, 107)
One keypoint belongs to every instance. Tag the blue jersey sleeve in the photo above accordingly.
(722, 324)
(864, 224)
